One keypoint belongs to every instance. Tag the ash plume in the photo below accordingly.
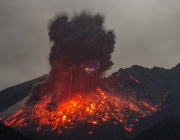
(80, 45)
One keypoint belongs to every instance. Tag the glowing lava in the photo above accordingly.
(137, 81)
(95, 108)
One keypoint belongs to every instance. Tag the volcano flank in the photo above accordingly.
(131, 107)
(73, 101)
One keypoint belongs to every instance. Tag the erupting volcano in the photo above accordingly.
(80, 54)
(74, 93)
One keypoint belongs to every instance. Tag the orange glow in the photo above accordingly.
(59, 131)
(16, 114)
(136, 120)
(94, 122)
(118, 74)
(149, 106)
(128, 129)
(20, 121)
(10, 122)
(1, 118)
(137, 81)
(64, 118)
(94, 108)
(90, 133)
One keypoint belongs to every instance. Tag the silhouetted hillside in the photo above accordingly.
(168, 129)
(8, 133)
(12, 95)
(153, 84)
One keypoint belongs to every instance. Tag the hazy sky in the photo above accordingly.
(148, 34)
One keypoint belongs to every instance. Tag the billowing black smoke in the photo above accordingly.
(80, 40)
(80, 54)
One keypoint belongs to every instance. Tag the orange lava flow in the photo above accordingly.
(94, 108)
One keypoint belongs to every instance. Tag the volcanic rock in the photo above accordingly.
(156, 86)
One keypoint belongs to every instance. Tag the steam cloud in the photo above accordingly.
(77, 42)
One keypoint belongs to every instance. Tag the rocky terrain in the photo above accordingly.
(168, 129)
(7, 133)
(156, 85)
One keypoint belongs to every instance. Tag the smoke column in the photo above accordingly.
(77, 43)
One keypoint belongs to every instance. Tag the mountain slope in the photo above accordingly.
(7, 133)
(158, 86)
(154, 84)
(12, 95)
(168, 129)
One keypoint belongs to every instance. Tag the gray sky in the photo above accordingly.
(148, 34)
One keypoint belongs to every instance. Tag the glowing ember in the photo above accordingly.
(95, 108)
(90, 133)
(118, 74)
(128, 129)
(137, 81)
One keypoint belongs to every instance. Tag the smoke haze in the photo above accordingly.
(147, 34)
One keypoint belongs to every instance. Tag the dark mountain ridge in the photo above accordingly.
(151, 83)
(168, 129)
(156, 85)
(12, 95)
